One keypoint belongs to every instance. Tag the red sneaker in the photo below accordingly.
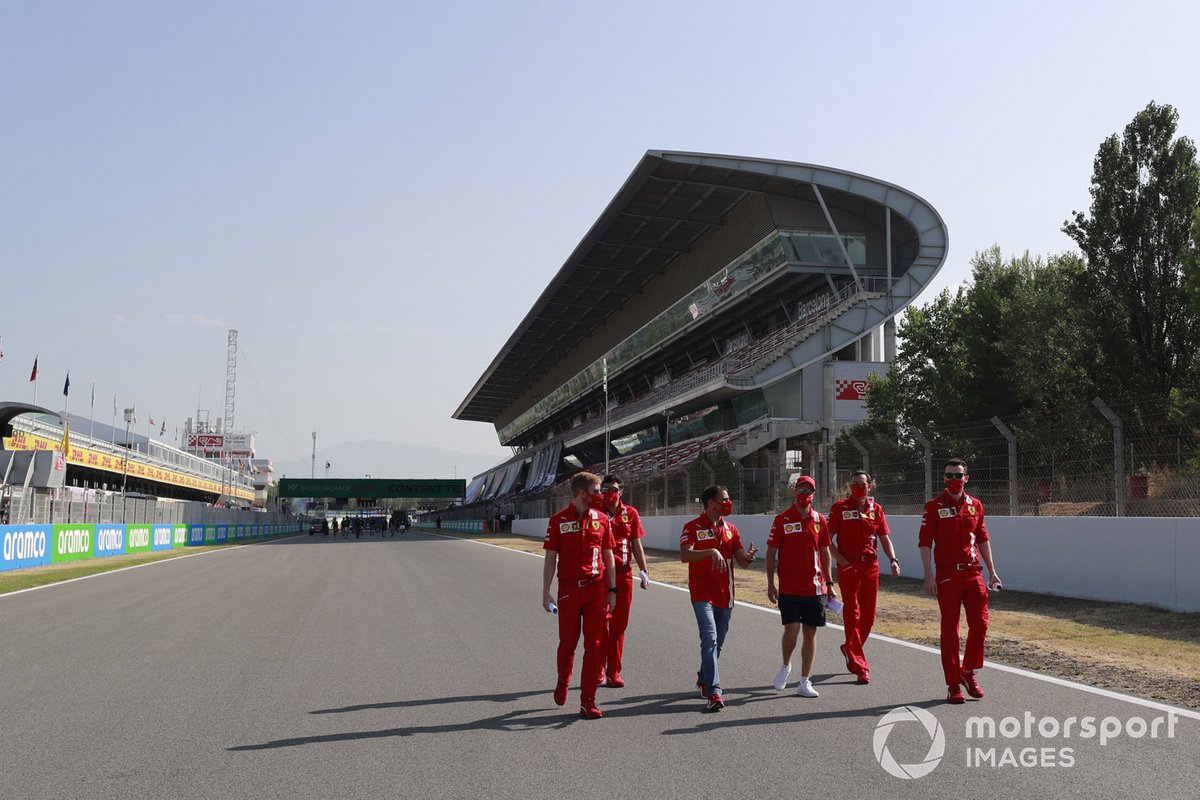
(602, 678)
(715, 702)
(971, 685)
(560, 694)
(864, 678)
(588, 709)
(954, 695)
(615, 682)
(846, 655)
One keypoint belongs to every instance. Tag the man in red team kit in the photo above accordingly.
(856, 522)
(627, 535)
(580, 541)
(709, 545)
(800, 540)
(954, 536)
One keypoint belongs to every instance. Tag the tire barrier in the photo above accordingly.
(23, 546)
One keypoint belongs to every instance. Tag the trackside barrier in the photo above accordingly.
(460, 525)
(1145, 560)
(24, 546)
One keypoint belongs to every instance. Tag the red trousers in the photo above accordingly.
(619, 621)
(860, 591)
(957, 590)
(582, 608)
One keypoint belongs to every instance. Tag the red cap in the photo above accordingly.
(806, 480)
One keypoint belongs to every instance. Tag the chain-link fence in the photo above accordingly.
(1134, 459)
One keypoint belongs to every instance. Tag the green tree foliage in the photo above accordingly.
(1139, 241)
(1012, 341)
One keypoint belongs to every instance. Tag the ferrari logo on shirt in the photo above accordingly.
(625, 518)
(569, 527)
(817, 528)
(702, 536)
(871, 515)
(847, 514)
(595, 524)
(971, 510)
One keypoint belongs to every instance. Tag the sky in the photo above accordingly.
(374, 193)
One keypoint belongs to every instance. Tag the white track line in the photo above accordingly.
(137, 566)
(1082, 687)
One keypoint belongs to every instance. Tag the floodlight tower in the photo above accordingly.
(230, 379)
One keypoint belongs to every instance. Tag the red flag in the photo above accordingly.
(33, 375)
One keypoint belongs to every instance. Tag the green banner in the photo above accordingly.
(374, 488)
(138, 538)
(210, 534)
(72, 542)
(180, 536)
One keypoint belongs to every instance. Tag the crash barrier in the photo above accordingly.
(461, 525)
(1145, 560)
(35, 545)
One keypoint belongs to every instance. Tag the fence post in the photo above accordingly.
(862, 451)
(920, 437)
(1118, 456)
(1012, 465)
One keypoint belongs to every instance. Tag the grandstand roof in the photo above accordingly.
(669, 201)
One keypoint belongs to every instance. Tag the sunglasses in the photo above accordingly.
(954, 475)
(804, 491)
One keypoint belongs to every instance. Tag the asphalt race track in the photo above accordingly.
(422, 667)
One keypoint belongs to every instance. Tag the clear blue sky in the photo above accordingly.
(374, 193)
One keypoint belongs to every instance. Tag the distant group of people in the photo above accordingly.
(592, 544)
(356, 526)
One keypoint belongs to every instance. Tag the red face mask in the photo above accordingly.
(726, 508)
(804, 500)
(955, 485)
(612, 498)
(858, 490)
(596, 501)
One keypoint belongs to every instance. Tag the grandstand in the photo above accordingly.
(731, 307)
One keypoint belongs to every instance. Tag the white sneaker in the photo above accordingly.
(782, 676)
(805, 688)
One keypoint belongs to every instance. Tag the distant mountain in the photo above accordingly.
(389, 460)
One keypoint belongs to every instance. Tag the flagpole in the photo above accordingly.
(92, 414)
(35, 378)
(606, 432)
(113, 440)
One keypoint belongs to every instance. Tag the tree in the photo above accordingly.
(1014, 341)
(1137, 240)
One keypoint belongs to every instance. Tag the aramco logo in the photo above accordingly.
(897, 717)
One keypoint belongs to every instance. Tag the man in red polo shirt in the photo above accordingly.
(709, 545)
(954, 536)
(799, 543)
(856, 522)
(627, 535)
(579, 541)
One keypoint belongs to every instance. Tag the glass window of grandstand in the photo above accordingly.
(821, 247)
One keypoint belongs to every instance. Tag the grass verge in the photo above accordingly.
(1139, 650)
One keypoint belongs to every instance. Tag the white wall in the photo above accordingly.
(1150, 560)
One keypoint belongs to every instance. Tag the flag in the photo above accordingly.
(93, 395)
(67, 385)
(163, 432)
(66, 440)
(1, 348)
(152, 422)
(33, 375)
(326, 465)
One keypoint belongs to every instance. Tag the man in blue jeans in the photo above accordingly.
(709, 545)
